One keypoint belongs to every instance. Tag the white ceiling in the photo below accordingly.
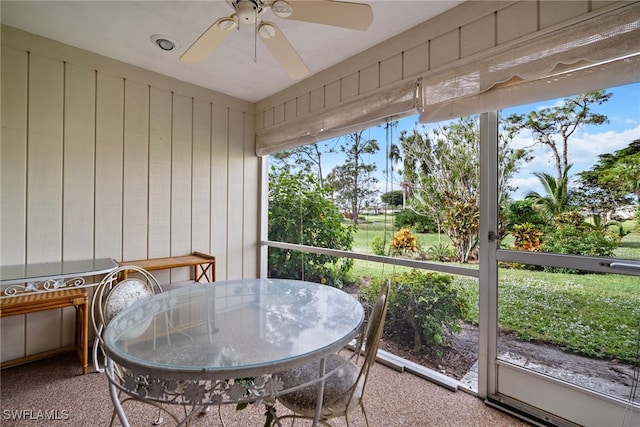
(122, 30)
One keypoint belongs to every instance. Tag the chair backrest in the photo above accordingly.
(373, 334)
(113, 295)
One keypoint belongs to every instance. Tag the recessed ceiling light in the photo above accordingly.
(164, 42)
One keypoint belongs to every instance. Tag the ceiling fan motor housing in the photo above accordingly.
(247, 10)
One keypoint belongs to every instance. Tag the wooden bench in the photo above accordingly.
(204, 270)
(31, 303)
(204, 265)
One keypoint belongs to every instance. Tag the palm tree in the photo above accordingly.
(557, 199)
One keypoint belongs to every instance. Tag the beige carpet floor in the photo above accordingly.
(55, 388)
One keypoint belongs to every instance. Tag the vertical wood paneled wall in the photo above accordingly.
(456, 35)
(102, 159)
(102, 165)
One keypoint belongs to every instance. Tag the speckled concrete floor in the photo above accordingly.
(55, 388)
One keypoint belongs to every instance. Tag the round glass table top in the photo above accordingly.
(234, 328)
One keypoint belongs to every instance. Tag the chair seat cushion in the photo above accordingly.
(123, 295)
(337, 387)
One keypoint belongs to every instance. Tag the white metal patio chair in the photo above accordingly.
(344, 388)
(111, 297)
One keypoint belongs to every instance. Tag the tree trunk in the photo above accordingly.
(417, 333)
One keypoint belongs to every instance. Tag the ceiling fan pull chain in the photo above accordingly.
(255, 41)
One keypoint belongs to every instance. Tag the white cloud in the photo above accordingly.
(524, 185)
(584, 149)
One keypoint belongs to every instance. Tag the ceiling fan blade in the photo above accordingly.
(207, 42)
(356, 16)
(282, 50)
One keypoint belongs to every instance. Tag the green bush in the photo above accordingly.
(428, 302)
(378, 245)
(407, 218)
(577, 241)
(521, 212)
(441, 252)
(571, 218)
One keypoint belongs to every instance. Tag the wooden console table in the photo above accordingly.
(204, 265)
(30, 288)
(31, 303)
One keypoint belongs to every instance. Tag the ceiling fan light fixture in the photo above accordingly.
(228, 24)
(281, 9)
(267, 31)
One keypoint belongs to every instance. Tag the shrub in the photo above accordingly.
(404, 242)
(570, 218)
(377, 245)
(521, 212)
(441, 251)
(408, 218)
(616, 230)
(577, 241)
(428, 302)
(527, 237)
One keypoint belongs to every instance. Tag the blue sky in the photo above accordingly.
(622, 109)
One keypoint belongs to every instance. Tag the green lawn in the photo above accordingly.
(592, 314)
(629, 246)
(596, 315)
(379, 225)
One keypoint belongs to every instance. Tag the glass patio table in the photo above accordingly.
(223, 342)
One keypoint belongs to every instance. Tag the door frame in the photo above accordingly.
(543, 399)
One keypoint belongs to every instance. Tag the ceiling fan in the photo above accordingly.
(356, 16)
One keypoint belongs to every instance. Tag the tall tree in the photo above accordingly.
(300, 211)
(619, 173)
(613, 181)
(353, 181)
(392, 198)
(553, 126)
(307, 158)
(443, 169)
